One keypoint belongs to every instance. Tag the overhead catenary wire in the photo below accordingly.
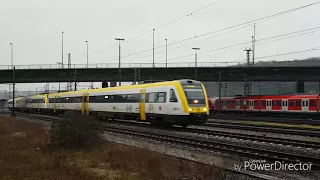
(255, 21)
(258, 42)
(159, 27)
(263, 57)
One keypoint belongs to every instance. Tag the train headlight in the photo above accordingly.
(205, 109)
(190, 109)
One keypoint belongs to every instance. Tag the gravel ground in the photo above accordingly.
(247, 143)
(227, 160)
(214, 158)
(176, 151)
(267, 134)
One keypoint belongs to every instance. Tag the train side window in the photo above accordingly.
(263, 103)
(313, 103)
(298, 103)
(291, 103)
(161, 97)
(173, 97)
(278, 103)
(151, 97)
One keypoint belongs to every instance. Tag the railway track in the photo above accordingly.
(240, 136)
(256, 138)
(221, 147)
(241, 117)
(285, 130)
(243, 151)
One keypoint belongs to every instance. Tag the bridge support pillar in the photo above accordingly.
(105, 84)
(300, 87)
(113, 83)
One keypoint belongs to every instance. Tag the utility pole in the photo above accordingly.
(253, 44)
(13, 93)
(195, 65)
(153, 50)
(166, 53)
(220, 102)
(11, 55)
(59, 73)
(248, 85)
(69, 86)
(245, 95)
(62, 50)
(75, 79)
(248, 55)
(119, 39)
(87, 54)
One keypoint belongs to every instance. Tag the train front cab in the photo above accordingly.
(196, 101)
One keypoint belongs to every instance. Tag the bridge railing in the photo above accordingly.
(123, 65)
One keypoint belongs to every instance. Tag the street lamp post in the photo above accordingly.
(119, 39)
(13, 92)
(59, 74)
(153, 49)
(62, 50)
(195, 66)
(11, 55)
(87, 54)
(166, 52)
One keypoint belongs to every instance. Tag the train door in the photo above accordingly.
(269, 105)
(142, 104)
(237, 104)
(224, 104)
(305, 105)
(284, 104)
(251, 104)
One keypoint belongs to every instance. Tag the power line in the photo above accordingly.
(276, 55)
(259, 20)
(289, 53)
(259, 40)
(143, 34)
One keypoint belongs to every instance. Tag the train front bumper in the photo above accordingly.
(198, 118)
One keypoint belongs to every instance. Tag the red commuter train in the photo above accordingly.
(284, 104)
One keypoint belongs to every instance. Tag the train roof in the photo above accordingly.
(274, 96)
(37, 96)
(68, 92)
(135, 86)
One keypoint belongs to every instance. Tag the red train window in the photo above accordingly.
(313, 103)
(278, 103)
(298, 103)
(256, 103)
(291, 103)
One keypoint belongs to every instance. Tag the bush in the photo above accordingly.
(76, 131)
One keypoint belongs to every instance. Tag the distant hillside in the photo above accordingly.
(313, 61)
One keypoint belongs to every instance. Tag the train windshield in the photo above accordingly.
(195, 95)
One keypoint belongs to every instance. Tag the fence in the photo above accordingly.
(123, 65)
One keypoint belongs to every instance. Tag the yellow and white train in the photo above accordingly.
(181, 102)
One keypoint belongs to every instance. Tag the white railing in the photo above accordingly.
(124, 65)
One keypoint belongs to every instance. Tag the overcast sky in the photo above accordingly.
(34, 27)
